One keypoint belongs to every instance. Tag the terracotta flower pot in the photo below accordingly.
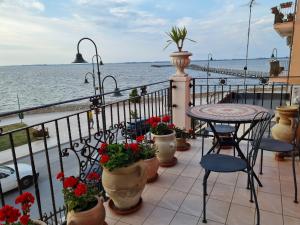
(125, 185)
(38, 222)
(182, 145)
(152, 167)
(94, 216)
(166, 148)
(180, 60)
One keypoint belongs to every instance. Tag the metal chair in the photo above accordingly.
(221, 129)
(227, 164)
(272, 145)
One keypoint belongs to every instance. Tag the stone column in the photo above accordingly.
(181, 95)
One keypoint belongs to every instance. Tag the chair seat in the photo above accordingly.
(222, 163)
(221, 129)
(270, 144)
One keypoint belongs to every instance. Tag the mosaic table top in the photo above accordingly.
(225, 113)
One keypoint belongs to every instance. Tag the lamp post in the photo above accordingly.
(209, 58)
(117, 92)
(274, 53)
(79, 59)
(94, 81)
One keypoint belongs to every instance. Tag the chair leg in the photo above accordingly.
(202, 145)
(204, 195)
(255, 198)
(295, 178)
(261, 161)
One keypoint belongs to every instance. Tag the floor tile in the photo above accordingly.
(181, 218)
(192, 171)
(160, 216)
(140, 216)
(268, 218)
(172, 199)
(290, 208)
(291, 220)
(241, 196)
(222, 192)
(217, 210)
(240, 215)
(183, 184)
(110, 221)
(197, 188)
(192, 205)
(269, 202)
(270, 185)
(177, 169)
(154, 194)
(165, 180)
(227, 178)
(209, 222)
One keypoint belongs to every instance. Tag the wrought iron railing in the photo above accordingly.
(72, 146)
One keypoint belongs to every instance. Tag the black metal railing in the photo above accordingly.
(69, 143)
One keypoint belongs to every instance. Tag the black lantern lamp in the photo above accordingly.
(274, 53)
(117, 92)
(143, 90)
(79, 59)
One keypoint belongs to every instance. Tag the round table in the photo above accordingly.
(231, 114)
(226, 113)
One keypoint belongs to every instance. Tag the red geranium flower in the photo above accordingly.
(9, 214)
(154, 125)
(140, 138)
(104, 159)
(134, 147)
(93, 176)
(70, 182)
(24, 220)
(157, 119)
(80, 190)
(24, 198)
(171, 126)
(103, 148)
(60, 175)
(166, 119)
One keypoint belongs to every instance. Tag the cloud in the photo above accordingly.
(28, 4)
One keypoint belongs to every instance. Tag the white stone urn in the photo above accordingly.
(166, 148)
(93, 216)
(125, 185)
(152, 168)
(180, 60)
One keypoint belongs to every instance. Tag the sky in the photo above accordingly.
(47, 31)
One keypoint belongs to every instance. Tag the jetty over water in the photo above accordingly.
(227, 71)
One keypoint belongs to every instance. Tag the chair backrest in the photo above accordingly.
(259, 124)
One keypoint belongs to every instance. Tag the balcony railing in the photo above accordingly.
(72, 146)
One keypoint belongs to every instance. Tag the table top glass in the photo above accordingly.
(226, 113)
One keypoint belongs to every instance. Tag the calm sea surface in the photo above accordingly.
(42, 84)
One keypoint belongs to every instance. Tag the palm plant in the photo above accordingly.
(178, 36)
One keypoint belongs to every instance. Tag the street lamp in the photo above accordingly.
(274, 53)
(79, 59)
(94, 82)
(117, 92)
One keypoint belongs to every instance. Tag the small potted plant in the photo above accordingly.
(83, 201)
(181, 136)
(148, 153)
(179, 59)
(40, 133)
(12, 216)
(134, 96)
(124, 175)
(164, 137)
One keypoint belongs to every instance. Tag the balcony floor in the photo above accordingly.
(176, 197)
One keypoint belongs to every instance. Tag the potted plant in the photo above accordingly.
(180, 58)
(124, 175)
(148, 152)
(290, 17)
(134, 96)
(164, 137)
(181, 136)
(12, 216)
(40, 133)
(83, 201)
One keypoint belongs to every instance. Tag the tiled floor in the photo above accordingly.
(176, 197)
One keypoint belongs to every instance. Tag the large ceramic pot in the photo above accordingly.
(166, 148)
(94, 216)
(38, 222)
(283, 129)
(180, 60)
(152, 167)
(125, 185)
